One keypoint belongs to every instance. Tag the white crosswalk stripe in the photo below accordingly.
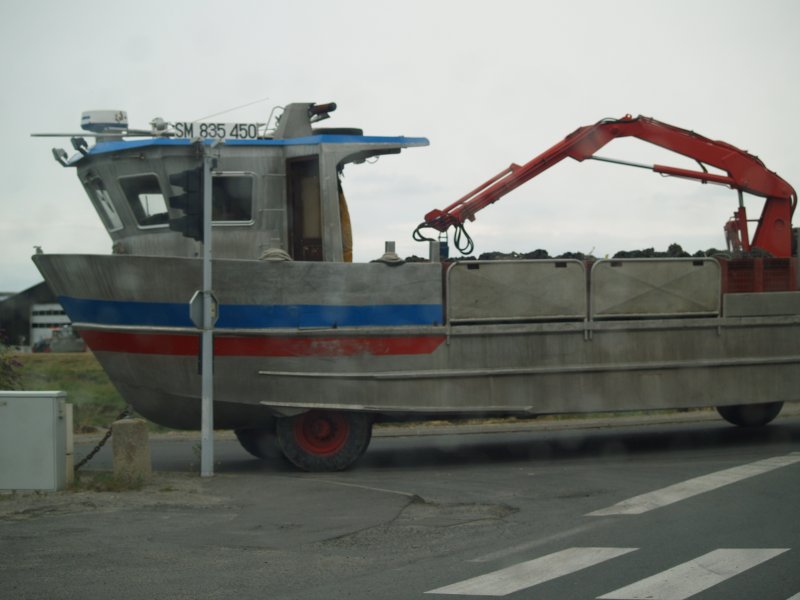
(692, 487)
(530, 573)
(690, 578)
(677, 583)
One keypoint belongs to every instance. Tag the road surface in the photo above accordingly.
(699, 510)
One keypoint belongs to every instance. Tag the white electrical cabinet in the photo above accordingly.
(33, 441)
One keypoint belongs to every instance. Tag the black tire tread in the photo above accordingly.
(261, 442)
(750, 415)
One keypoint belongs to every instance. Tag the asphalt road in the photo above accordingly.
(698, 510)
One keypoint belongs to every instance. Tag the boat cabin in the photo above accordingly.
(280, 191)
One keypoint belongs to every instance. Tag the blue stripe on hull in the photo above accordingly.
(163, 314)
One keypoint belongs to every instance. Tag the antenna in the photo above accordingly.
(227, 110)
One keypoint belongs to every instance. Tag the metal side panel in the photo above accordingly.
(761, 304)
(516, 290)
(655, 288)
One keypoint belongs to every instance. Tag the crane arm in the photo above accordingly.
(744, 172)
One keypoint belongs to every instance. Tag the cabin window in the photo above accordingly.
(146, 200)
(108, 214)
(232, 199)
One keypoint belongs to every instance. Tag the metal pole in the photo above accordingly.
(207, 340)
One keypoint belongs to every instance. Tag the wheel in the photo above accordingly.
(260, 442)
(750, 415)
(321, 440)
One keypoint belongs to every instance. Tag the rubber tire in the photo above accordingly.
(260, 442)
(750, 415)
(353, 428)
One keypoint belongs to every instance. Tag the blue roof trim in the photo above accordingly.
(116, 146)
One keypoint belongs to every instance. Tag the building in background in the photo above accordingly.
(33, 319)
(45, 318)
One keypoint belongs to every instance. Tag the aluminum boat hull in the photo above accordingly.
(521, 337)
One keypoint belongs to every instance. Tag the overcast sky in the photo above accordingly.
(489, 83)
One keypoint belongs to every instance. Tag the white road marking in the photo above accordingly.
(795, 597)
(530, 573)
(693, 577)
(692, 487)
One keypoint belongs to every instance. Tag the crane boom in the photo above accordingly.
(744, 172)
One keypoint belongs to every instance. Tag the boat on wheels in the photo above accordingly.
(311, 349)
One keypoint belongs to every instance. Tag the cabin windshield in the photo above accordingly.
(146, 200)
(108, 214)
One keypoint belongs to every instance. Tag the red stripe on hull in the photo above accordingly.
(177, 344)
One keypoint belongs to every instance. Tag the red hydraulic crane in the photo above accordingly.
(744, 172)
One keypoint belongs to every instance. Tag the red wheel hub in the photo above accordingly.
(321, 433)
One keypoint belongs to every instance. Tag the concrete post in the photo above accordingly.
(131, 450)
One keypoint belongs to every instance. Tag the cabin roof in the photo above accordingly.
(105, 147)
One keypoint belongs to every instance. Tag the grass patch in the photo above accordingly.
(96, 401)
